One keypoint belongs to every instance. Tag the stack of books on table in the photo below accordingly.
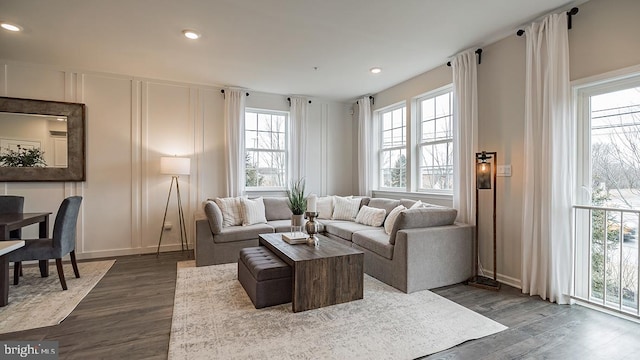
(293, 238)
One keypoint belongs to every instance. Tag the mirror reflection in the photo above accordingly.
(31, 140)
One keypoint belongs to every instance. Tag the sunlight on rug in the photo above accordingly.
(37, 302)
(213, 318)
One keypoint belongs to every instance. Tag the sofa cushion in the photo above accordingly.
(371, 216)
(422, 218)
(239, 233)
(324, 207)
(263, 264)
(277, 208)
(345, 208)
(408, 203)
(391, 218)
(345, 229)
(382, 203)
(376, 241)
(231, 211)
(252, 211)
(214, 216)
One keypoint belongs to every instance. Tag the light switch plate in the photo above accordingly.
(504, 170)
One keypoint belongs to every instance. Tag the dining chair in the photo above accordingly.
(62, 243)
(10, 204)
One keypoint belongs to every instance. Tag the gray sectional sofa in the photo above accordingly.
(425, 249)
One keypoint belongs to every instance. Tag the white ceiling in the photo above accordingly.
(263, 45)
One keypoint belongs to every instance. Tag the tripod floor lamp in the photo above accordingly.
(483, 182)
(175, 166)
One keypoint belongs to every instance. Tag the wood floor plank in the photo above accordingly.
(128, 316)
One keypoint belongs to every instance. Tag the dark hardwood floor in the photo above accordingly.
(128, 316)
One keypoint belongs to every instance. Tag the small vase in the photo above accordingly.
(296, 222)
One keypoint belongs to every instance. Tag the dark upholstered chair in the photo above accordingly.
(62, 243)
(12, 204)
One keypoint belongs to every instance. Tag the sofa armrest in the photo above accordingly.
(432, 257)
(422, 218)
(204, 241)
(214, 216)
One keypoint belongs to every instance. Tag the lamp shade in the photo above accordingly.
(483, 175)
(173, 165)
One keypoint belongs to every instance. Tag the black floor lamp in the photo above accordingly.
(175, 166)
(483, 182)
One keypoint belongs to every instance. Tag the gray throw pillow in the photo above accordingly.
(214, 215)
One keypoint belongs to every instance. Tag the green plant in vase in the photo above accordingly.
(21, 157)
(297, 202)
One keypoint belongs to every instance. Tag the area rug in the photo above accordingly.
(213, 318)
(37, 302)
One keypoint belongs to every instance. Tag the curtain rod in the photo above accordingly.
(222, 91)
(373, 100)
(289, 100)
(478, 52)
(570, 13)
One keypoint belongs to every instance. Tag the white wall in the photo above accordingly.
(131, 122)
(604, 38)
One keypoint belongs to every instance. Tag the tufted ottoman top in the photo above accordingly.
(263, 264)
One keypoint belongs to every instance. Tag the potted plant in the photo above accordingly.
(297, 202)
(22, 157)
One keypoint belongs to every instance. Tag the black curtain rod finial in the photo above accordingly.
(222, 91)
(289, 100)
(478, 52)
(570, 13)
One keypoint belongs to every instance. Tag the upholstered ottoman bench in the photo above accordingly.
(264, 276)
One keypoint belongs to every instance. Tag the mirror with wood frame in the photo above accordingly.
(41, 140)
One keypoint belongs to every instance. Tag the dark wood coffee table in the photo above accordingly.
(329, 274)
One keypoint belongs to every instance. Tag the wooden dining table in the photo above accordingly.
(14, 221)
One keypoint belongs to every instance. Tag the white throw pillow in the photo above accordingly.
(391, 219)
(324, 207)
(345, 208)
(371, 216)
(253, 211)
(231, 211)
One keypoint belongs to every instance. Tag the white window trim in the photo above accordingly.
(377, 171)
(583, 89)
(254, 190)
(417, 124)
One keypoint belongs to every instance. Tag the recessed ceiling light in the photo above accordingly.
(10, 27)
(375, 70)
(191, 34)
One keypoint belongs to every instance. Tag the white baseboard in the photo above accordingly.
(125, 252)
(507, 280)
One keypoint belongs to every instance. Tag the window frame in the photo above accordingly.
(286, 151)
(419, 143)
(582, 92)
(379, 130)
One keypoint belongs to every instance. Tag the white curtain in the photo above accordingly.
(365, 123)
(234, 100)
(299, 116)
(465, 134)
(546, 222)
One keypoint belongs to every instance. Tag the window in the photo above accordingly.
(608, 191)
(266, 149)
(435, 141)
(393, 159)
